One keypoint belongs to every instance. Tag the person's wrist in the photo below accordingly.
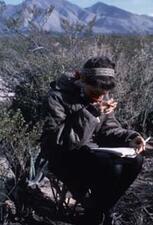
(138, 144)
(131, 137)
(94, 110)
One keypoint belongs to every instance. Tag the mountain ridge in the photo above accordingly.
(50, 14)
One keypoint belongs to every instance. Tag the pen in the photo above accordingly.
(147, 140)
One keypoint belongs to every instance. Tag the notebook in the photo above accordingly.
(119, 151)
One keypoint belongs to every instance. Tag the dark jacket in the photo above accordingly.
(72, 122)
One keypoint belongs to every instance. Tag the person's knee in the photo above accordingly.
(135, 166)
(138, 161)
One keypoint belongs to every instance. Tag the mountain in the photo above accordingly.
(110, 19)
(48, 15)
(52, 15)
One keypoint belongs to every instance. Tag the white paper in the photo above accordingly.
(120, 151)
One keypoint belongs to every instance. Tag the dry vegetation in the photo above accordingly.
(27, 65)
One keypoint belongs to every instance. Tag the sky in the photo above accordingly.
(135, 6)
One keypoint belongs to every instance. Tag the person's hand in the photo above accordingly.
(138, 143)
(106, 106)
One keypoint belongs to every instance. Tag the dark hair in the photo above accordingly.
(106, 82)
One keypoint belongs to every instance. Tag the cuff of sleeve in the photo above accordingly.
(95, 111)
(132, 136)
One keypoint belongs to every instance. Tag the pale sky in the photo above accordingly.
(135, 6)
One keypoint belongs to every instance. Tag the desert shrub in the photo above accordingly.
(30, 62)
(17, 142)
(30, 97)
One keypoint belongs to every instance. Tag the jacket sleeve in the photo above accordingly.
(56, 112)
(112, 134)
(66, 128)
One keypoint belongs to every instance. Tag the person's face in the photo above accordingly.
(95, 94)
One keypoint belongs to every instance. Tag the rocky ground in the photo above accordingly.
(136, 207)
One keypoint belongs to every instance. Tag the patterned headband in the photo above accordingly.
(98, 72)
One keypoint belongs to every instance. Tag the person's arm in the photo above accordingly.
(67, 128)
(56, 113)
(113, 135)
